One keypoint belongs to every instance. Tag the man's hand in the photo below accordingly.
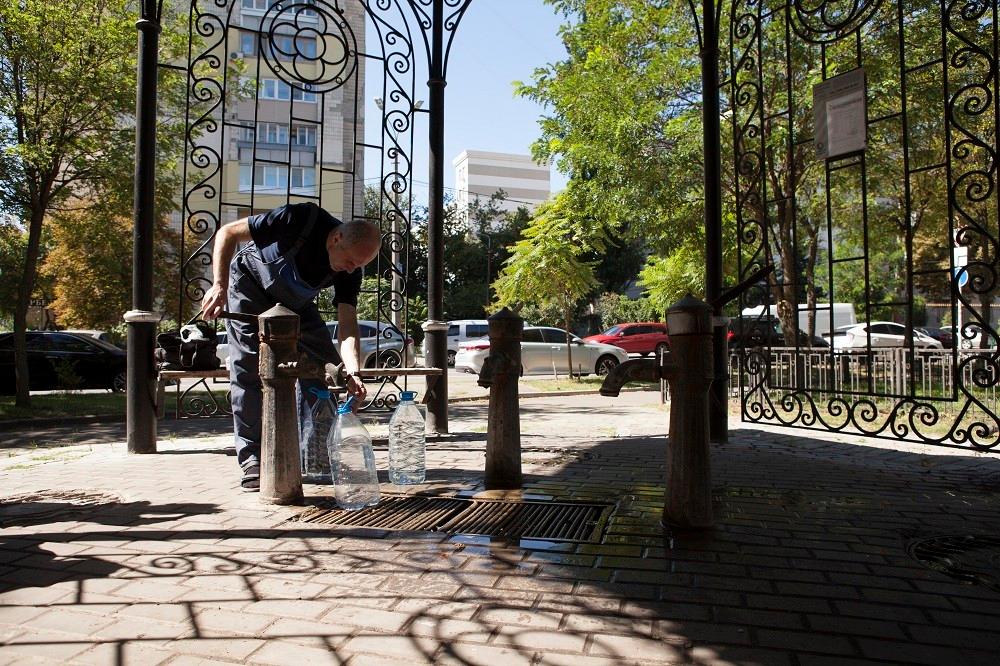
(356, 388)
(214, 302)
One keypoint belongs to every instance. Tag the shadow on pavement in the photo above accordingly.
(809, 562)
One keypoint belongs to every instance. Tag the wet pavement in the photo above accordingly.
(827, 549)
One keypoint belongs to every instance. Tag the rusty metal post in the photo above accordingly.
(280, 470)
(503, 431)
(688, 497)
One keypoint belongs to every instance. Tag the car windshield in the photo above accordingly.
(614, 330)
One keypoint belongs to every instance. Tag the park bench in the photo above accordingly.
(212, 404)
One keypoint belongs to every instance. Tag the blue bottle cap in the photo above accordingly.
(345, 407)
(408, 395)
(322, 394)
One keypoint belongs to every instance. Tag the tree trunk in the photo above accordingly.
(24, 291)
(569, 342)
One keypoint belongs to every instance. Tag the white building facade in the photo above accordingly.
(480, 174)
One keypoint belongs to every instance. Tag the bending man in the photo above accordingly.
(288, 256)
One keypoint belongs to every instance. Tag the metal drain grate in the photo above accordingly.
(969, 558)
(561, 521)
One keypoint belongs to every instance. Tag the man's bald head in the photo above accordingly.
(353, 244)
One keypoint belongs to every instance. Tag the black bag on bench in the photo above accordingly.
(190, 348)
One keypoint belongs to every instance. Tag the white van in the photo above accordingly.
(459, 331)
(841, 314)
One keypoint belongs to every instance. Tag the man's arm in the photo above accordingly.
(226, 241)
(350, 349)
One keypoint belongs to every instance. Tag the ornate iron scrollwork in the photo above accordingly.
(871, 390)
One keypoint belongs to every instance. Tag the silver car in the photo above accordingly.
(881, 334)
(381, 345)
(543, 351)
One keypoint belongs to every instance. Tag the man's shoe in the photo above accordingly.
(251, 480)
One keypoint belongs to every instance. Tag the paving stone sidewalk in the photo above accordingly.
(114, 559)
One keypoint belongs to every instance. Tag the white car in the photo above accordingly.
(882, 334)
(460, 331)
(543, 350)
(379, 342)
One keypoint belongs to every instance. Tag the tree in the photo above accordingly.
(67, 99)
(545, 266)
(90, 266)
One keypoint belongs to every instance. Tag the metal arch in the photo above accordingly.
(801, 387)
(212, 127)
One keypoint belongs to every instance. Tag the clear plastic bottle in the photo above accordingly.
(352, 461)
(312, 449)
(407, 442)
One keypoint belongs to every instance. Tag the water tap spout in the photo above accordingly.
(636, 370)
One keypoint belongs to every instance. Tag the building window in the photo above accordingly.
(265, 177)
(303, 95)
(306, 47)
(275, 89)
(303, 177)
(248, 43)
(244, 133)
(259, 5)
(272, 133)
(304, 135)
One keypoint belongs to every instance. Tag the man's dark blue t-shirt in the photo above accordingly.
(276, 232)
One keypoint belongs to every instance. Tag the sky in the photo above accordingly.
(497, 42)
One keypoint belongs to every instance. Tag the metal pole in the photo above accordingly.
(435, 328)
(140, 377)
(717, 400)
(397, 269)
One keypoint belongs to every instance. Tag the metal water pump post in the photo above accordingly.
(500, 374)
(687, 367)
(281, 365)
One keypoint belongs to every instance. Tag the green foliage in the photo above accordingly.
(544, 268)
(90, 266)
(67, 99)
(668, 279)
(616, 309)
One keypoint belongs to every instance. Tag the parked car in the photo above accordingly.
(103, 336)
(971, 337)
(543, 349)
(460, 331)
(381, 345)
(61, 360)
(882, 334)
(635, 337)
(943, 335)
(765, 332)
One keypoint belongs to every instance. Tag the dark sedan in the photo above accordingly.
(59, 360)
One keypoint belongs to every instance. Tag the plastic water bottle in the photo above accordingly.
(352, 461)
(407, 443)
(312, 448)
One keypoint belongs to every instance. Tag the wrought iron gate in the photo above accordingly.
(276, 95)
(877, 226)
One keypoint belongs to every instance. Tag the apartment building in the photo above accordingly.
(298, 136)
(480, 174)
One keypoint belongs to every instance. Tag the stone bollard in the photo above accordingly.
(500, 373)
(280, 469)
(688, 498)
(687, 502)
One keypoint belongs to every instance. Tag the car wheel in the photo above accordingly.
(451, 359)
(605, 364)
(661, 348)
(118, 382)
